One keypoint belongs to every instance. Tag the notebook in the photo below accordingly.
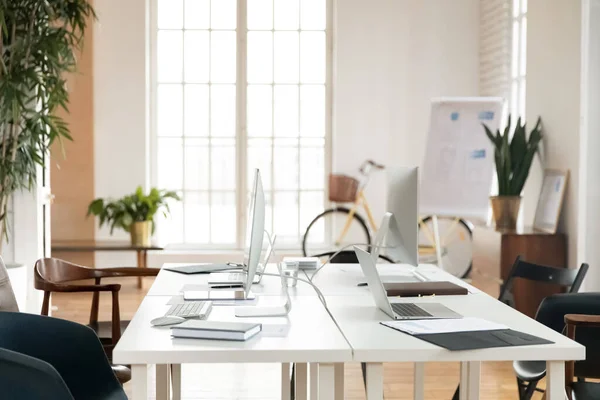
(415, 289)
(198, 329)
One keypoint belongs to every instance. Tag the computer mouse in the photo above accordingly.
(167, 320)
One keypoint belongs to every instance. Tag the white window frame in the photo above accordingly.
(241, 118)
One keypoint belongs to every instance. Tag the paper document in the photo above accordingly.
(424, 326)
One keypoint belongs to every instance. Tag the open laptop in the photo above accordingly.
(231, 279)
(404, 311)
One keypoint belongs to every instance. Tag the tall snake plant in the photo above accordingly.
(514, 156)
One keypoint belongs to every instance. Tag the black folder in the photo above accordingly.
(455, 341)
(203, 268)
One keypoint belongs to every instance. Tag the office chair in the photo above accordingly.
(49, 358)
(579, 314)
(529, 373)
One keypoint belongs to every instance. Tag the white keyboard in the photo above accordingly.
(190, 309)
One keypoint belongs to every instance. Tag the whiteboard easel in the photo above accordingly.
(458, 166)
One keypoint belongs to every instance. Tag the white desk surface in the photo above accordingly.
(169, 283)
(308, 334)
(359, 318)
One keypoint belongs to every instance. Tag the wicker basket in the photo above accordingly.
(342, 188)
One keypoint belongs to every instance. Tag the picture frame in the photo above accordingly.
(550, 201)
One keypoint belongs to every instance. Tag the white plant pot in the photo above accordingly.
(17, 273)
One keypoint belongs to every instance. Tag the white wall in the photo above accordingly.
(553, 92)
(589, 174)
(120, 123)
(391, 57)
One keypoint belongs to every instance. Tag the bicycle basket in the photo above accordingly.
(342, 188)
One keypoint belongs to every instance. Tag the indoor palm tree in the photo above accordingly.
(38, 43)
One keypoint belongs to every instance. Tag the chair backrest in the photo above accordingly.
(570, 279)
(552, 312)
(347, 257)
(54, 270)
(72, 349)
(23, 378)
(8, 302)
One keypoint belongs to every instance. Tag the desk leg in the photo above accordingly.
(470, 378)
(162, 382)
(326, 381)
(374, 381)
(176, 381)
(286, 386)
(555, 380)
(419, 386)
(139, 382)
(140, 264)
(464, 381)
(474, 380)
(339, 381)
(313, 373)
(301, 381)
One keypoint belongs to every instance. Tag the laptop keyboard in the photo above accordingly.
(409, 310)
(189, 309)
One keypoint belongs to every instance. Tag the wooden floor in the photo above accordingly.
(262, 381)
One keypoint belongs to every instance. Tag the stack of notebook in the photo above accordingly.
(198, 329)
(306, 263)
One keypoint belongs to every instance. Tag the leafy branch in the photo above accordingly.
(38, 43)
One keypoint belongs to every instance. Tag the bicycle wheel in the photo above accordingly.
(323, 233)
(456, 236)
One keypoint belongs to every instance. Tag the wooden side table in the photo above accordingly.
(81, 246)
(533, 246)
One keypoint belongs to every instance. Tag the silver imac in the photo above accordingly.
(255, 231)
(402, 238)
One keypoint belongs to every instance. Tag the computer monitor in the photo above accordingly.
(402, 238)
(255, 230)
(380, 237)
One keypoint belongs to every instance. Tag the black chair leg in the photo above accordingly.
(293, 382)
(529, 389)
(456, 393)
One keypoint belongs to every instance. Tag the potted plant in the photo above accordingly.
(134, 213)
(39, 40)
(513, 158)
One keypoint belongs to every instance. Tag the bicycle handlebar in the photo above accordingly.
(365, 166)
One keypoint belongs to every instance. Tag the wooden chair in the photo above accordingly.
(54, 275)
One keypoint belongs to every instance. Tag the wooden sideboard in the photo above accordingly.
(495, 252)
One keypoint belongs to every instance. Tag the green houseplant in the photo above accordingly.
(134, 213)
(38, 43)
(513, 158)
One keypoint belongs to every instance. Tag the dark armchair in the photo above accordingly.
(50, 358)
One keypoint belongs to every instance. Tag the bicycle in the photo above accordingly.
(456, 234)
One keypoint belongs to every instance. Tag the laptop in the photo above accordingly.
(402, 311)
(235, 279)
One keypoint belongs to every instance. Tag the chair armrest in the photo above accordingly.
(592, 321)
(125, 272)
(84, 288)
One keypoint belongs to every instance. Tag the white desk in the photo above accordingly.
(307, 335)
(169, 283)
(313, 336)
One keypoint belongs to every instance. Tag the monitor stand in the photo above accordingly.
(269, 311)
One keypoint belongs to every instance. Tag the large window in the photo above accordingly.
(238, 85)
(518, 58)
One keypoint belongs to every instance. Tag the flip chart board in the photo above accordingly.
(459, 158)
